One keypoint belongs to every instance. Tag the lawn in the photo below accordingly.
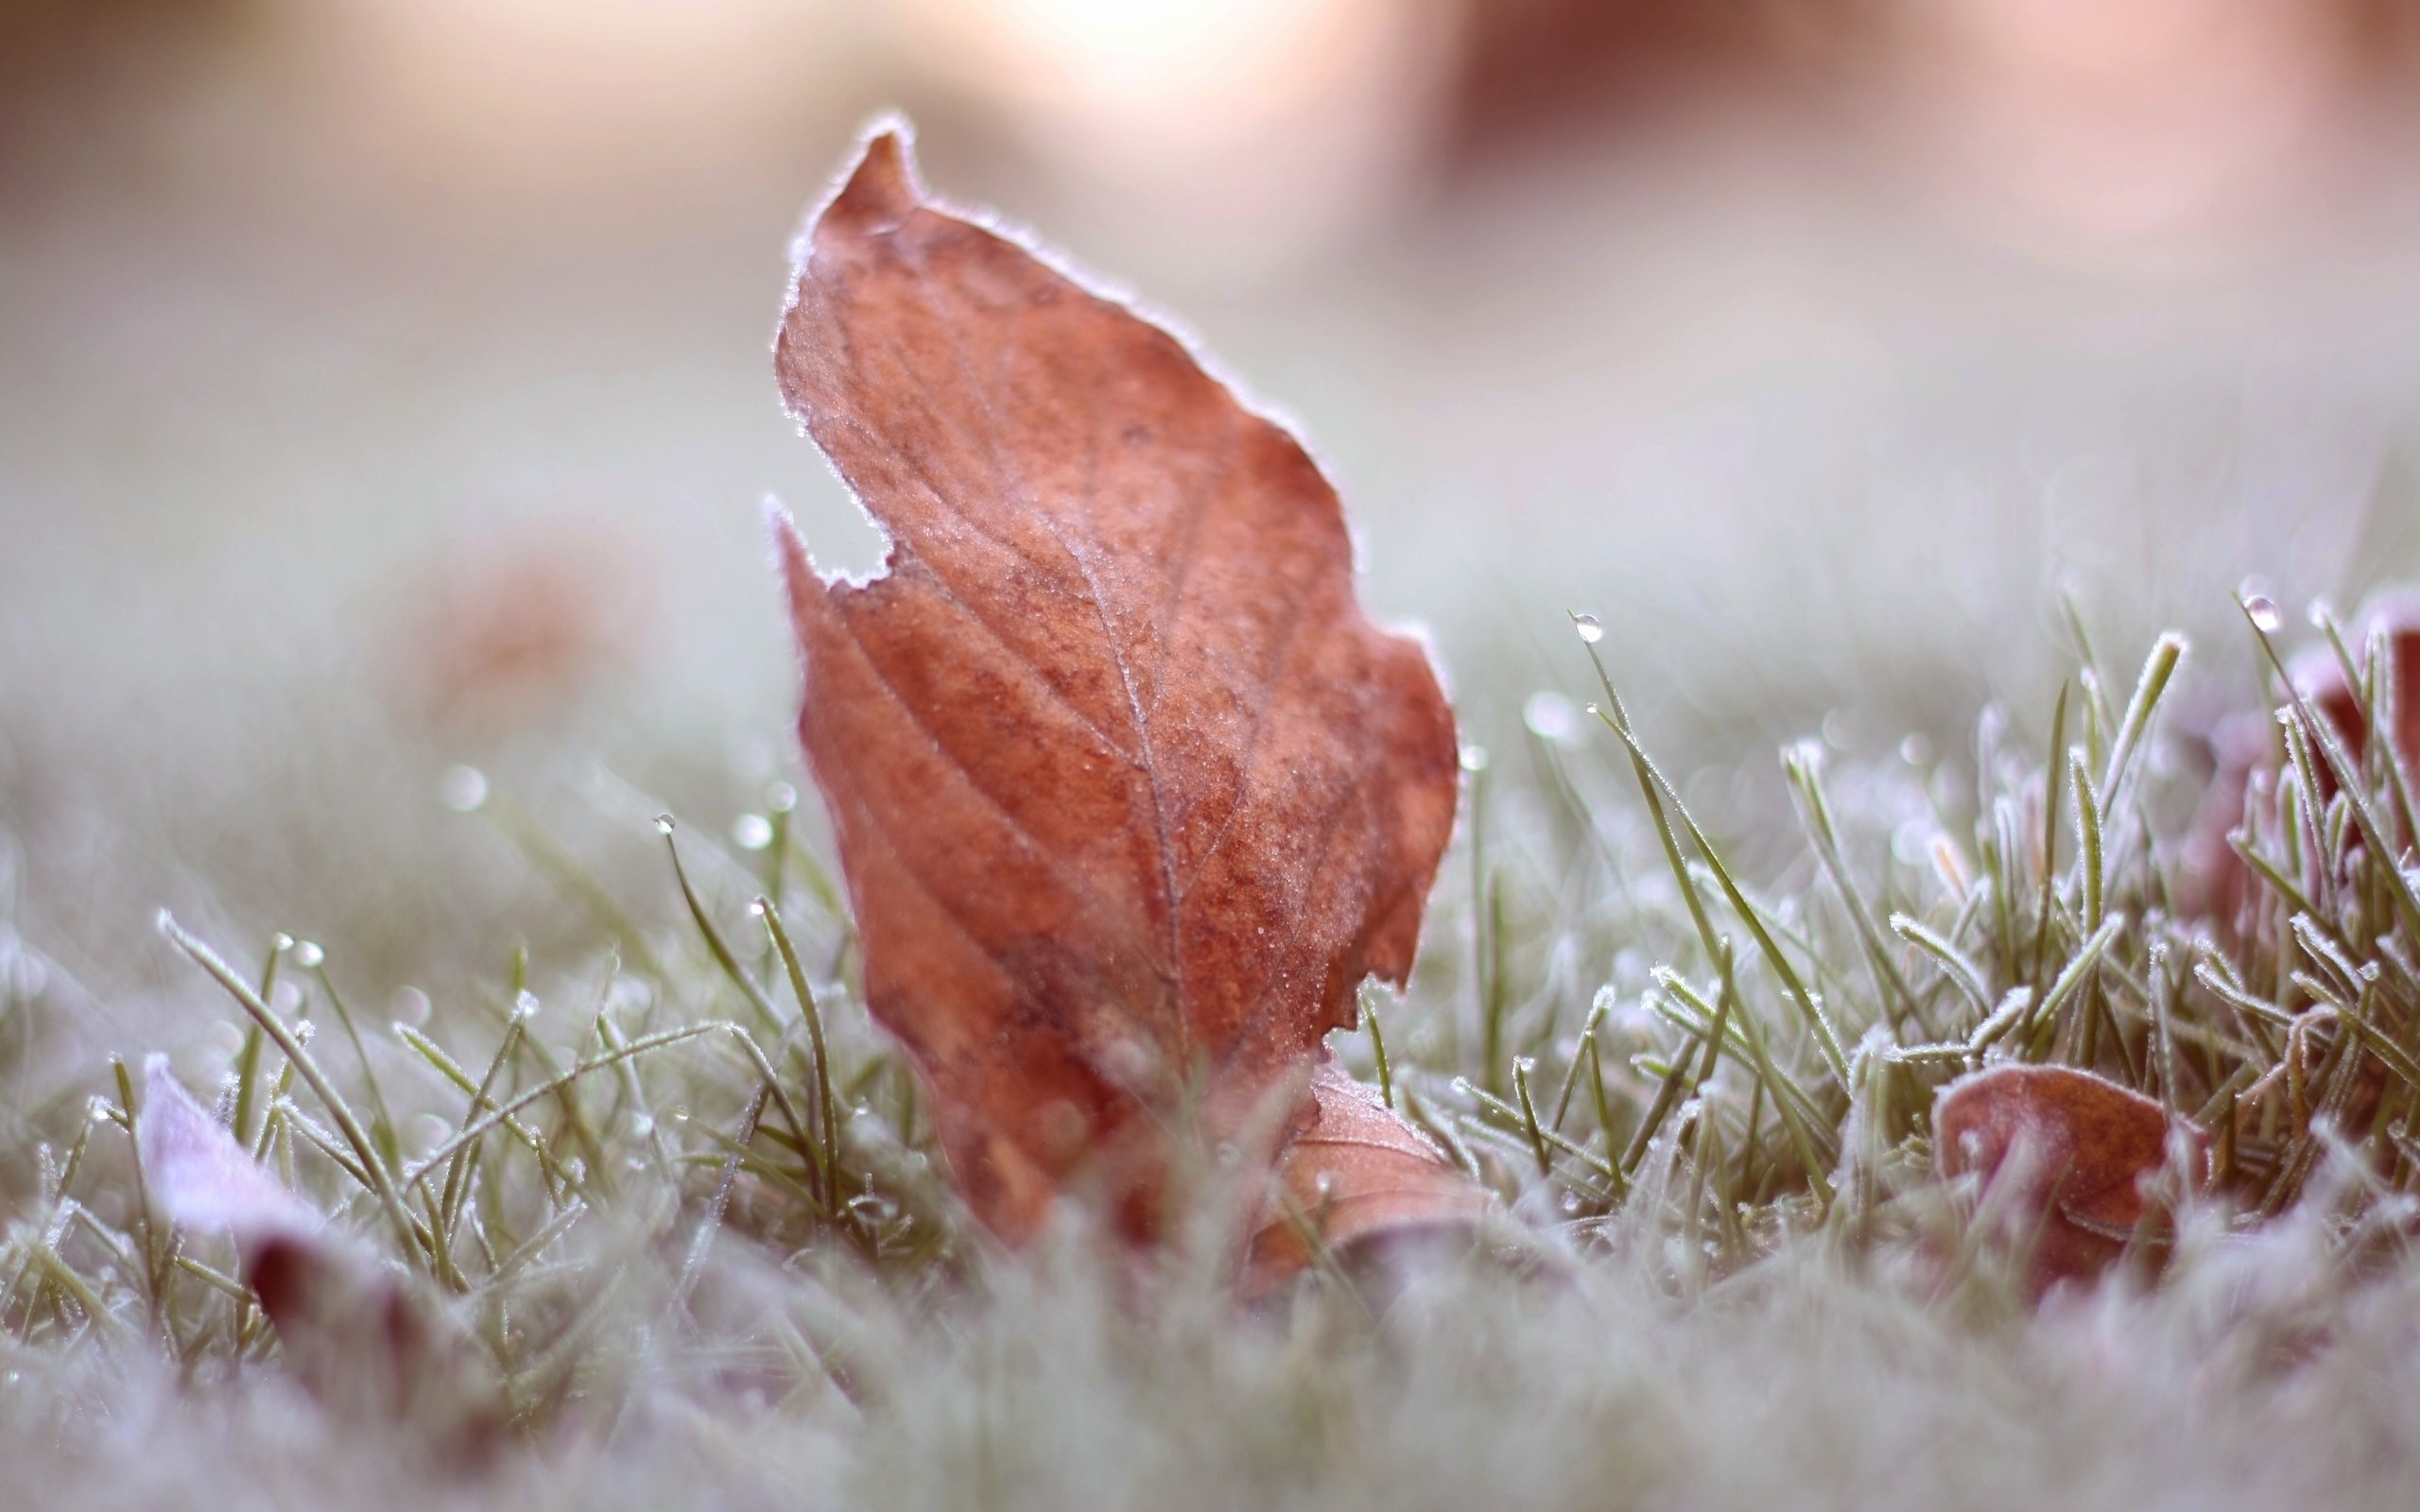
(607, 1249)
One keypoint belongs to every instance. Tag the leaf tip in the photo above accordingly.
(201, 1175)
(882, 189)
(789, 546)
(801, 584)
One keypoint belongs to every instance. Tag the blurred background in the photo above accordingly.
(385, 391)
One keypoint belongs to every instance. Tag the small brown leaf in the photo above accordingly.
(2321, 678)
(202, 1179)
(1128, 793)
(509, 630)
(352, 1333)
(2213, 882)
(2078, 1145)
(1359, 1176)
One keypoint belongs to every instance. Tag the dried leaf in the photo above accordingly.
(2213, 882)
(2321, 678)
(2077, 1146)
(351, 1330)
(511, 630)
(1128, 793)
(202, 1179)
(1358, 1177)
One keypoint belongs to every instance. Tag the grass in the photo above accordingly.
(668, 1210)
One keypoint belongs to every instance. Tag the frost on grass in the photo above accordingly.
(688, 1226)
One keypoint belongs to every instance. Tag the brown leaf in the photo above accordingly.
(362, 1344)
(1128, 791)
(2321, 678)
(2213, 882)
(1359, 1176)
(512, 629)
(2078, 1145)
(202, 1179)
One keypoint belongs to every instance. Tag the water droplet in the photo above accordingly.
(25, 975)
(1128, 1059)
(97, 1110)
(680, 1114)
(462, 789)
(1461, 1086)
(308, 955)
(165, 922)
(281, 943)
(285, 998)
(1474, 758)
(752, 831)
(1911, 842)
(1840, 729)
(874, 1207)
(1552, 717)
(2263, 611)
(781, 798)
(1323, 1183)
(664, 824)
(642, 1124)
(525, 1007)
(410, 1007)
(2322, 613)
(1916, 751)
(629, 994)
(756, 908)
(1591, 629)
(1568, 1202)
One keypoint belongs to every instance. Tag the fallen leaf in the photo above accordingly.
(2213, 882)
(202, 1179)
(1358, 1177)
(2320, 677)
(1128, 791)
(512, 629)
(350, 1332)
(2076, 1145)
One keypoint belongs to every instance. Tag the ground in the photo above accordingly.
(1756, 1291)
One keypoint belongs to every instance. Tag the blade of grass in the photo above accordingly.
(388, 1198)
(1656, 789)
